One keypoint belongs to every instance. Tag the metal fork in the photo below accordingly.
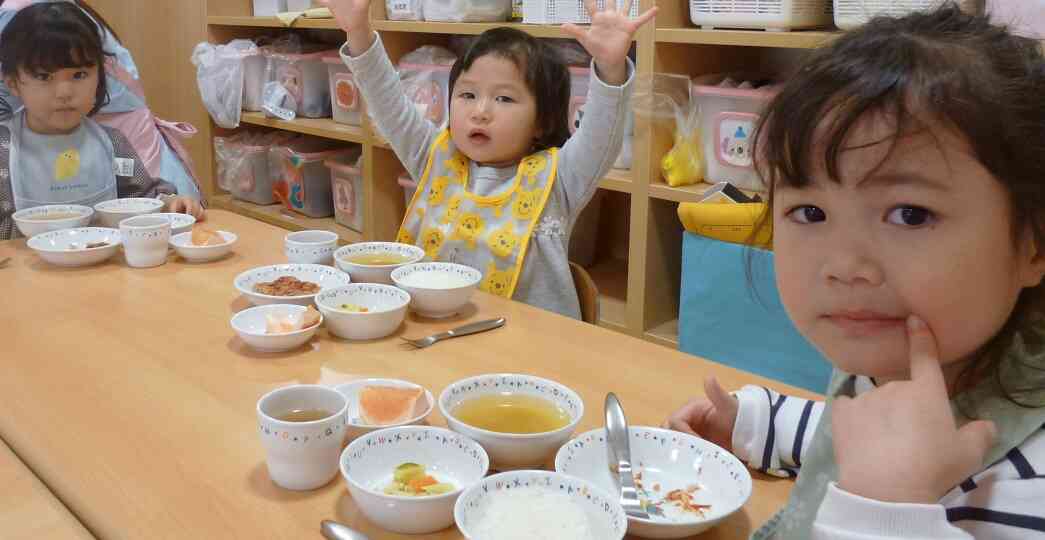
(472, 328)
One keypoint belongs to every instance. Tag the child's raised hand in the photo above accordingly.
(710, 417)
(350, 14)
(609, 36)
(899, 442)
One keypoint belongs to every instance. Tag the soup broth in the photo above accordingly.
(304, 415)
(511, 413)
(53, 216)
(377, 259)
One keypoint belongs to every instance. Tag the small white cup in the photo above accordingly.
(310, 247)
(302, 455)
(145, 240)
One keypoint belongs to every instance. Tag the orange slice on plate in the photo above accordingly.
(386, 405)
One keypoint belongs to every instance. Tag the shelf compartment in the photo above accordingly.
(271, 22)
(276, 215)
(666, 334)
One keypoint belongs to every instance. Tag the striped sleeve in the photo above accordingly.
(772, 429)
(1005, 501)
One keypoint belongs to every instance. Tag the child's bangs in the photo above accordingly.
(51, 51)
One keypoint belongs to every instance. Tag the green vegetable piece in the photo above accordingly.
(407, 472)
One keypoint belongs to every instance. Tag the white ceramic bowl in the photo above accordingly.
(364, 273)
(182, 244)
(179, 222)
(325, 276)
(386, 310)
(310, 247)
(355, 424)
(66, 247)
(513, 450)
(112, 212)
(668, 460)
(367, 465)
(437, 289)
(40, 219)
(249, 324)
(606, 518)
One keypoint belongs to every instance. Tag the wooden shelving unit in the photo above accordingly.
(639, 278)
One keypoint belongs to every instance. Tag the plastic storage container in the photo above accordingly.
(580, 78)
(301, 180)
(268, 8)
(761, 14)
(404, 10)
(565, 11)
(347, 186)
(345, 99)
(428, 86)
(850, 14)
(243, 164)
(255, 75)
(307, 80)
(728, 117)
(467, 10)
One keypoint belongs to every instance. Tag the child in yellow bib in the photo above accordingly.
(500, 186)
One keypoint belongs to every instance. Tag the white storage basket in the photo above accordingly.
(852, 13)
(565, 11)
(761, 14)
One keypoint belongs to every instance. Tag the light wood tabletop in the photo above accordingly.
(28, 510)
(128, 394)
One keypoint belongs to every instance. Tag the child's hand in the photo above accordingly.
(899, 442)
(351, 15)
(711, 418)
(608, 39)
(185, 205)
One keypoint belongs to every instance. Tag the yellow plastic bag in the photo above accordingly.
(684, 163)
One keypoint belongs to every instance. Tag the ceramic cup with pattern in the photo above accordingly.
(302, 428)
(145, 240)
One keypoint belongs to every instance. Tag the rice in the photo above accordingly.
(435, 280)
(532, 514)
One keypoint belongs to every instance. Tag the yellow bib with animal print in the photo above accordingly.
(489, 233)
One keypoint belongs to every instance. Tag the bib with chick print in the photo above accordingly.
(489, 233)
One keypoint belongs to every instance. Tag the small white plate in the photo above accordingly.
(324, 276)
(182, 244)
(351, 391)
(67, 247)
(249, 324)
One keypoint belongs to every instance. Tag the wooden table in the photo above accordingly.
(28, 511)
(128, 394)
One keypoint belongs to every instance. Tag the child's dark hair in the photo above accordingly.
(947, 68)
(47, 37)
(543, 70)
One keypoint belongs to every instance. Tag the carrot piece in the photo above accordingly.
(417, 484)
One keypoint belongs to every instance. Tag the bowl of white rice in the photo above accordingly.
(437, 289)
(538, 505)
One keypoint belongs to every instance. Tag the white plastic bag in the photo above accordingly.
(219, 75)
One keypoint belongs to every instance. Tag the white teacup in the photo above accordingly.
(310, 247)
(302, 455)
(145, 240)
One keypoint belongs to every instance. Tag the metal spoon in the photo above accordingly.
(337, 531)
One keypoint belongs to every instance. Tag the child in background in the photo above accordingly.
(495, 190)
(907, 188)
(51, 58)
(158, 142)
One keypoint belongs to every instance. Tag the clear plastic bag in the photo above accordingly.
(219, 75)
(425, 77)
(665, 100)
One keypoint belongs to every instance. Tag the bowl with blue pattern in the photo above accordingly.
(538, 504)
(52, 217)
(686, 483)
(513, 450)
(321, 275)
(368, 466)
(362, 311)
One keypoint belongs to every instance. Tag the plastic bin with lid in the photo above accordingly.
(345, 99)
(428, 87)
(255, 75)
(728, 116)
(466, 10)
(346, 179)
(762, 14)
(269, 8)
(306, 79)
(301, 180)
(243, 164)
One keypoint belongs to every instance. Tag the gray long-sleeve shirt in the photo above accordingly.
(586, 157)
